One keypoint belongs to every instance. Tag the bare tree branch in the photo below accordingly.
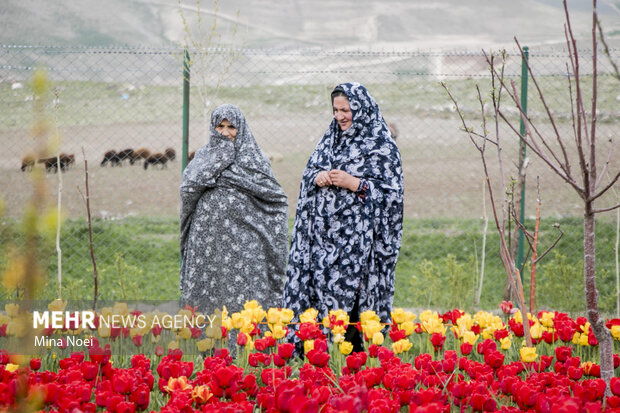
(566, 165)
(606, 188)
(530, 144)
(541, 256)
(611, 149)
(606, 50)
(596, 211)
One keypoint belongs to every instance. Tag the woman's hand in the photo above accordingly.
(344, 180)
(323, 179)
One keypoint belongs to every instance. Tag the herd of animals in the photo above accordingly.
(132, 156)
(112, 158)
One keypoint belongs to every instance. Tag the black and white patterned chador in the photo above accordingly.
(344, 243)
(234, 229)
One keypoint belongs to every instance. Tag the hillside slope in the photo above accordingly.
(357, 24)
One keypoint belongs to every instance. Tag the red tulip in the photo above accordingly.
(563, 353)
(437, 340)
(137, 340)
(285, 350)
(242, 339)
(35, 364)
(466, 349)
(227, 376)
(159, 351)
(317, 358)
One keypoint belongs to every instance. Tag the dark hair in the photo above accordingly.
(338, 92)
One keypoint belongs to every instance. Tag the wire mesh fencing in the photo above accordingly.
(120, 109)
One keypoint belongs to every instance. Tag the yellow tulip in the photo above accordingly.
(408, 326)
(528, 354)
(339, 330)
(346, 347)
(205, 344)
(583, 340)
(287, 315)
(400, 316)
(465, 322)
(309, 316)
(434, 325)
(184, 314)
(487, 333)
(16, 328)
(173, 345)
(536, 331)
(278, 331)
(238, 320)
(57, 305)
(258, 314)
(369, 315)
(185, 333)
(274, 316)
(308, 345)
(546, 318)
(371, 327)
(427, 315)
(104, 331)
(251, 305)
(401, 346)
(338, 338)
(12, 310)
(470, 337)
(11, 367)
(615, 332)
(377, 338)
(213, 332)
(506, 343)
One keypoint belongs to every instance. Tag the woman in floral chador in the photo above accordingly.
(233, 221)
(348, 224)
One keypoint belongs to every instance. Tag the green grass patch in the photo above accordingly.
(438, 267)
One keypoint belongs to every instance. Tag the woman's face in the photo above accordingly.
(342, 112)
(227, 129)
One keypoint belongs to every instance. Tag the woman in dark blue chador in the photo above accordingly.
(348, 224)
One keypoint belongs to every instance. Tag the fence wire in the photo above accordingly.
(111, 102)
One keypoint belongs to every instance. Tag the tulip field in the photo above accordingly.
(427, 362)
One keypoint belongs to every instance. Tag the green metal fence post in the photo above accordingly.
(524, 77)
(185, 110)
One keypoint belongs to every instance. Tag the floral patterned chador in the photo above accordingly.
(234, 228)
(345, 244)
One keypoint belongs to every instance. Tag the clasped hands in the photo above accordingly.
(338, 178)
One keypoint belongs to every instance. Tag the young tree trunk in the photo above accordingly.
(597, 324)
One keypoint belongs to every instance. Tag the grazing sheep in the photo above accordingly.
(170, 153)
(66, 161)
(156, 159)
(27, 163)
(50, 164)
(112, 158)
(141, 153)
(126, 154)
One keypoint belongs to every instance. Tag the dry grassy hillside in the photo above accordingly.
(390, 25)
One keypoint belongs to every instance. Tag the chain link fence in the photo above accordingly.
(108, 103)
